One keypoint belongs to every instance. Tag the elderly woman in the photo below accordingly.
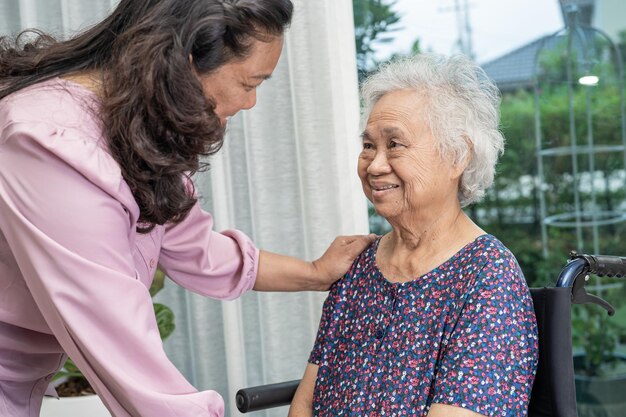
(434, 318)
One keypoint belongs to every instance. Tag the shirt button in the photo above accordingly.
(379, 334)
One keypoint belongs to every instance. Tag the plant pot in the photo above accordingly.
(88, 405)
(601, 396)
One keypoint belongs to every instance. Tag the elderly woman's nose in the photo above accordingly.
(379, 165)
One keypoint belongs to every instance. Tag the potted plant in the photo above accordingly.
(600, 367)
(76, 396)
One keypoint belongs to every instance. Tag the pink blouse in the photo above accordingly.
(74, 274)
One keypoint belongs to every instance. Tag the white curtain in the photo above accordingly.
(57, 17)
(286, 176)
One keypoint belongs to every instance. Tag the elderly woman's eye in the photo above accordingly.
(394, 144)
(367, 145)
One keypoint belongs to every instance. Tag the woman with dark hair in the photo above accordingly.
(99, 138)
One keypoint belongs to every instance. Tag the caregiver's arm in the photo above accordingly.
(285, 273)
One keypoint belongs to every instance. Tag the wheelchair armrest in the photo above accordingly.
(266, 396)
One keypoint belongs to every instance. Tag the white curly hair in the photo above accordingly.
(462, 111)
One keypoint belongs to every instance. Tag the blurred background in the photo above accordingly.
(560, 185)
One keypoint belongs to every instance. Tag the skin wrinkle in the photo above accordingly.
(400, 149)
(412, 163)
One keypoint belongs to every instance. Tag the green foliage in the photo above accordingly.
(374, 21)
(165, 320)
(599, 335)
(511, 210)
(69, 370)
(378, 225)
(158, 281)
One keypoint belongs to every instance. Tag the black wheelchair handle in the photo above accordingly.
(600, 265)
(266, 396)
(579, 267)
(607, 266)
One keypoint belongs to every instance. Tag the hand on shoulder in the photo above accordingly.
(339, 256)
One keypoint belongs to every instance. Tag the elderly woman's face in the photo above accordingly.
(399, 166)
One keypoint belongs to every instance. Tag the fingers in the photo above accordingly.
(360, 239)
(356, 244)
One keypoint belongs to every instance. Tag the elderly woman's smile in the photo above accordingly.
(400, 166)
(380, 189)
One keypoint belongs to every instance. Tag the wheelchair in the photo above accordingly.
(554, 392)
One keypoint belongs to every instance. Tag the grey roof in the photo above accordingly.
(515, 69)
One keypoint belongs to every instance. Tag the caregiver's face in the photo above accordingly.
(233, 85)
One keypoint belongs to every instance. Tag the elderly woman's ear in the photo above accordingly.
(459, 167)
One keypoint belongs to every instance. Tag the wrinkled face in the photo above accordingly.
(400, 167)
(233, 85)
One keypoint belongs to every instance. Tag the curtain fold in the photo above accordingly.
(286, 176)
(56, 17)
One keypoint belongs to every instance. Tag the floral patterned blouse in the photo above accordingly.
(464, 334)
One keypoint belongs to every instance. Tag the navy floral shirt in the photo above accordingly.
(463, 334)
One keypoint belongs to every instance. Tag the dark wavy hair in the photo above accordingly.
(154, 113)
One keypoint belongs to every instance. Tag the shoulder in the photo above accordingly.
(56, 102)
(52, 113)
(365, 262)
(362, 269)
(485, 256)
(492, 253)
(58, 121)
(498, 266)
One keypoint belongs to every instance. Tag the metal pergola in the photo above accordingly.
(588, 63)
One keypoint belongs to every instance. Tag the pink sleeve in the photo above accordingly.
(219, 265)
(68, 219)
